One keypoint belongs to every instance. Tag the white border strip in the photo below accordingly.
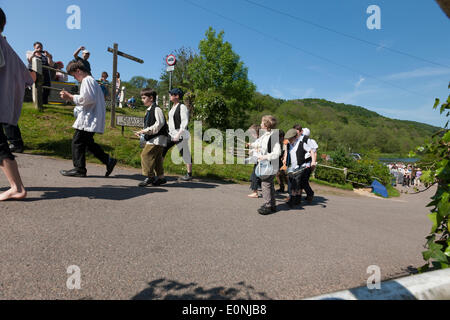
(434, 285)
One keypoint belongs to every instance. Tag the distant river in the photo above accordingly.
(394, 160)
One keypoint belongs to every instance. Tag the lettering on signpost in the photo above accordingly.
(126, 121)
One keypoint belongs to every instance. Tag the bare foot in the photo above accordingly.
(13, 194)
(253, 195)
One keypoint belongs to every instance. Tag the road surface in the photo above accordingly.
(196, 240)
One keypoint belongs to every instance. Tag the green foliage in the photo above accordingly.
(330, 175)
(211, 108)
(335, 125)
(219, 68)
(438, 241)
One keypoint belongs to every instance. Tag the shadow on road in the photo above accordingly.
(172, 182)
(282, 204)
(103, 192)
(164, 289)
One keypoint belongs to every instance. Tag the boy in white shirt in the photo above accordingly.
(178, 130)
(90, 112)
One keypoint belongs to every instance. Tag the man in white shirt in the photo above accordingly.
(90, 113)
(178, 130)
(311, 147)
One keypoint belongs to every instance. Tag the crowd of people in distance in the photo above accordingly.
(405, 175)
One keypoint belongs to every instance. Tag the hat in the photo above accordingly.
(176, 92)
(86, 52)
(306, 132)
(292, 133)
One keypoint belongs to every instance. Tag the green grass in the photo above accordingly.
(50, 133)
(392, 192)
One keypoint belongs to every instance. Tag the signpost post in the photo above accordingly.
(116, 53)
(171, 60)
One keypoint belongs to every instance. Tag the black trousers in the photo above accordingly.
(5, 152)
(82, 140)
(13, 134)
(255, 182)
(187, 158)
(304, 182)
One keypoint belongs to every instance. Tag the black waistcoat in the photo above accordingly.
(177, 117)
(300, 153)
(150, 119)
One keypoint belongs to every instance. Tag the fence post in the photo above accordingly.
(113, 89)
(345, 173)
(38, 100)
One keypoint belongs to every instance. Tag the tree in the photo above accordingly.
(219, 69)
(138, 82)
(438, 241)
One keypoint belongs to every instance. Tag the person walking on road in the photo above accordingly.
(155, 133)
(90, 113)
(14, 77)
(178, 130)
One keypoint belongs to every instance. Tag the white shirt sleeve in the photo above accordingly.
(86, 98)
(184, 112)
(159, 115)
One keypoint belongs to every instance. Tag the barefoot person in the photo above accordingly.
(90, 112)
(14, 77)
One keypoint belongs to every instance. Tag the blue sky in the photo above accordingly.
(270, 44)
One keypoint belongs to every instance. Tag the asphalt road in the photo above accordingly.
(196, 240)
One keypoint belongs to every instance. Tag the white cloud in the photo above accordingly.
(361, 80)
(418, 73)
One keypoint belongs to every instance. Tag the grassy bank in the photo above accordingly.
(50, 133)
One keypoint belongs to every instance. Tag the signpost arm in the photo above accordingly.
(113, 89)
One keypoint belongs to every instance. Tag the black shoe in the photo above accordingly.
(146, 182)
(267, 210)
(297, 200)
(110, 166)
(187, 177)
(15, 148)
(159, 182)
(292, 201)
(281, 190)
(73, 173)
(310, 198)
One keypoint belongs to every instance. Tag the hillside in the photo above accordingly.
(337, 124)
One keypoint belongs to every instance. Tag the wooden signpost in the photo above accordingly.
(115, 51)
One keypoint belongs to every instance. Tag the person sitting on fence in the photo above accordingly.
(90, 112)
(60, 76)
(14, 77)
(156, 132)
(104, 83)
(84, 60)
(47, 60)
